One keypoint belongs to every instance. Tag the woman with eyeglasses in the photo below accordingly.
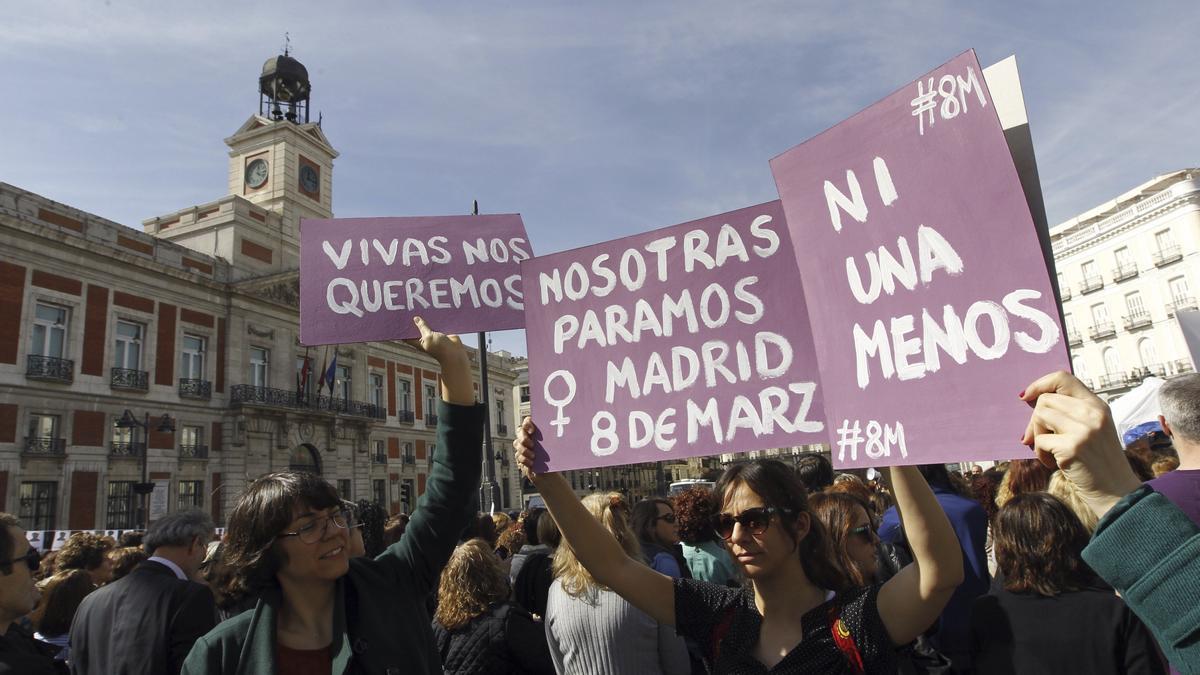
(800, 613)
(653, 522)
(320, 611)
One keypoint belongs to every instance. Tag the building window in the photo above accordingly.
(1133, 305)
(344, 489)
(38, 502)
(191, 494)
(1124, 257)
(191, 441)
(500, 412)
(379, 491)
(1099, 315)
(192, 364)
(405, 395)
(1179, 289)
(43, 427)
(128, 351)
(409, 456)
(260, 367)
(1089, 270)
(1112, 364)
(342, 379)
(429, 455)
(49, 337)
(377, 390)
(525, 387)
(1164, 240)
(122, 506)
(430, 399)
(1147, 353)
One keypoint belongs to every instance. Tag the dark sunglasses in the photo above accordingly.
(32, 559)
(755, 520)
(670, 518)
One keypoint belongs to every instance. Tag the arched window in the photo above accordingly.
(1146, 352)
(1079, 368)
(1112, 364)
(305, 457)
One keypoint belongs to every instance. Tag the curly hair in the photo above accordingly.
(610, 509)
(125, 559)
(61, 596)
(250, 553)
(471, 581)
(693, 513)
(1039, 544)
(779, 487)
(511, 540)
(83, 551)
(835, 510)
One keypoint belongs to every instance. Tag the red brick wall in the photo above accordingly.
(220, 383)
(134, 245)
(88, 428)
(95, 329)
(133, 302)
(160, 440)
(393, 448)
(420, 485)
(218, 439)
(197, 265)
(198, 318)
(164, 362)
(418, 395)
(391, 388)
(8, 425)
(60, 220)
(56, 283)
(420, 449)
(82, 513)
(253, 250)
(12, 297)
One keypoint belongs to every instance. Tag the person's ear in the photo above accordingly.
(1162, 421)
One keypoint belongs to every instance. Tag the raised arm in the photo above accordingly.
(649, 591)
(911, 601)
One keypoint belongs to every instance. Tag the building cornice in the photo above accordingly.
(1084, 237)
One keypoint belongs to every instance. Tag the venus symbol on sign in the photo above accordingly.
(560, 420)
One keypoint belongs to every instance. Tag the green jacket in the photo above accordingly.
(1149, 551)
(380, 623)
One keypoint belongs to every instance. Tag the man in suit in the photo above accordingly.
(147, 621)
(20, 654)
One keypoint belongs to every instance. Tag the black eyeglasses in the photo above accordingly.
(32, 559)
(755, 520)
(670, 518)
(315, 531)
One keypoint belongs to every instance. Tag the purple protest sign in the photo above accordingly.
(363, 279)
(689, 340)
(930, 299)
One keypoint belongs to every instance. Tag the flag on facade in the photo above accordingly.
(331, 373)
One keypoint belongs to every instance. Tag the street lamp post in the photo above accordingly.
(144, 488)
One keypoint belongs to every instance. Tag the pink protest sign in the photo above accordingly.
(364, 279)
(689, 340)
(931, 304)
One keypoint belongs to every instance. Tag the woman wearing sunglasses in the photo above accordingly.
(320, 611)
(653, 521)
(800, 614)
(851, 534)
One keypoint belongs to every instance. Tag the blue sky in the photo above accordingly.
(593, 120)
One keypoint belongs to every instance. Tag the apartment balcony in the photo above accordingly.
(129, 379)
(1109, 381)
(1138, 320)
(1064, 292)
(126, 449)
(193, 452)
(430, 420)
(410, 459)
(1074, 339)
(405, 416)
(501, 430)
(246, 395)
(44, 446)
(1125, 271)
(1102, 329)
(1185, 302)
(1181, 366)
(49, 369)
(200, 390)
(1168, 255)
(1091, 285)
(379, 458)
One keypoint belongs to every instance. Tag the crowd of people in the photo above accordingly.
(1082, 558)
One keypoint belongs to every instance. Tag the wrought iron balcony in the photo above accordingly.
(127, 378)
(197, 389)
(410, 459)
(1184, 302)
(267, 397)
(193, 452)
(1091, 284)
(1138, 320)
(1074, 339)
(430, 420)
(379, 458)
(1112, 381)
(49, 368)
(1157, 369)
(1064, 293)
(1102, 329)
(45, 445)
(1182, 366)
(1168, 255)
(126, 449)
(1125, 271)
(405, 416)
(501, 430)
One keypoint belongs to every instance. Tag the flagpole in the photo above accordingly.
(488, 488)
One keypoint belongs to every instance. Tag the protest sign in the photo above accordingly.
(931, 303)
(364, 279)
(1189, 323)
(689, 340)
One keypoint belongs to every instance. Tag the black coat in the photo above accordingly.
(21, 654)
(143, 623)
(504, 640)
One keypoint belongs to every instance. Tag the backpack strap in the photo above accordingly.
(844, 639)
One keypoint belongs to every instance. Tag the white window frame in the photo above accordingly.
(123, 344)
(49, 327)
(192, 362)
(260, 369)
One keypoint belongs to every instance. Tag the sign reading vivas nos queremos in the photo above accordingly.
(364, 279)
(685, 341)
(930, 299)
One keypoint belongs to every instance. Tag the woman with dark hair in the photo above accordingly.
(1023, 476)
(653, 521)
(478, 631)
(799, 615)
(853, 538)
(1052, 616)
(318, 610)
(61, 596)
(706, 559)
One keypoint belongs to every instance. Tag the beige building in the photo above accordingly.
(197, 319)
(1124, 268)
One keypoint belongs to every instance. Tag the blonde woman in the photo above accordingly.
(1062, 487)
(590, 628)
(477, 630)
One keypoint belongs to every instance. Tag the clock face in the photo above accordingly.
(309, 180)
(256, 173)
